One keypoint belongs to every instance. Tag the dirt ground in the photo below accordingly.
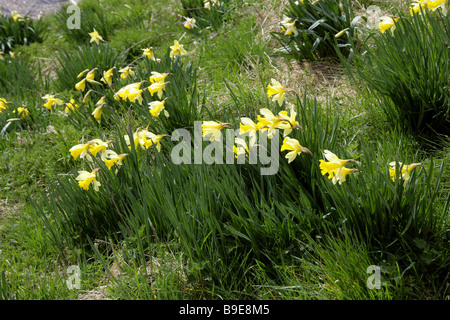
(34, 8)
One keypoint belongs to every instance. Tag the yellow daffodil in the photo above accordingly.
(85, 178)
(295, 148)
(213, 128)
(247, 125)
(288, 26)
(95, 37)
(101, 101)
(157, 88)
(145, 139)
(51, 100)
(91, 75)
(136, 141)
(13, 54)
(241, 149)
(154, 139)
(207, 3)
(131, 92)
(405, 170)
(16, 16)
(335, 167)
(82, 73)
(288, 123)
(96, 146)
(80, 86)
(158, 77)
(3, 104)
(148, 52)
(189, 23)
(267, 122)
(416, 6)
(97, 113)
(155, 108)
(126, 72)
(177, 49)
(71, 106)
(87, 96)
(80, 150)
(341, 33)
(1, 55)
(435, 4)
(276, 90)
(107, 76)
(23, 112)
(111, 158)
(387, 22)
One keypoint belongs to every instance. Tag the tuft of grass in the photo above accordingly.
(20, 31)
(408, 68)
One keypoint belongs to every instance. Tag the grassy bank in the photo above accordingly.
(138, 225)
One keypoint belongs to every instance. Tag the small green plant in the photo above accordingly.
(309, 29)
(16, 31)
(21, 78)
(207, 14)
(409, 69)
(72, 61)
(93, 16)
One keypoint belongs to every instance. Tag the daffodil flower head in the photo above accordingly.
(107, 76)
(276, 90)
(111, 158)
(435, 4)
(85, 178)
(91, 75)
(148, 53)
(3, 104)
(189, 23)
(387, 22)
(23, 112)
(335, 167)
(213, 128)
(95, 37)
(405, 170)
(241, 149)
(131, 92)
(126, 72)
(417, 6)
(158, 77)
(157, 88)
(288, 26)
(80, 150)
(51, 99)
(155, 108)
(267, 122)
(97, 113)
(16, 16)
(82, 73)
(177, 49)
(294, 147)
(96, 146)
(71, 106)
(247, 125)
(81, 85)
(288, 123)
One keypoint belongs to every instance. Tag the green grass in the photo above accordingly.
(157, 230)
